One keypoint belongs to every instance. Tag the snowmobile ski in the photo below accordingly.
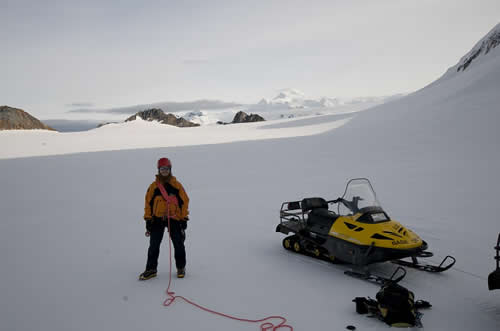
(428, 267)
(396, 276)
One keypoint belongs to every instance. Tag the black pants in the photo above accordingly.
(156, 235)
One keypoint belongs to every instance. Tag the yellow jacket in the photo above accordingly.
(156, 206)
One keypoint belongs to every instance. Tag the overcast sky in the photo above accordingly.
(61, 55)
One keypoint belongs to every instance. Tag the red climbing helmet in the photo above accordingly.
(164, 162)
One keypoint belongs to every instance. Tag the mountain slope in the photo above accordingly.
(483, 47)
(478, 55)
(18, 119)
(445, 134)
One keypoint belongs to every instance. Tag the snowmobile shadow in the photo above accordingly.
(492, 308)
(384, 269)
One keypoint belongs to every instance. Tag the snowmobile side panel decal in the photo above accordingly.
(345, 237)
(384, 234)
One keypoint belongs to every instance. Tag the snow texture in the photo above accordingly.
(71, 235)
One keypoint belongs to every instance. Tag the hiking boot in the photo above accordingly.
(181, 272)
(148, 274)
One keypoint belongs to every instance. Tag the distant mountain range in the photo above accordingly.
(288, 98)
(287, 103)
(167, 106)
(157, 114)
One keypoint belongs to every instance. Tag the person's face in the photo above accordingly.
(164, 171)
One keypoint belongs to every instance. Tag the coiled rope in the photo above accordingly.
(171, 297)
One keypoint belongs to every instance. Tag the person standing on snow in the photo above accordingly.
(155, 214)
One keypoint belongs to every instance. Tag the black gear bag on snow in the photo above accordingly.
(395, 305)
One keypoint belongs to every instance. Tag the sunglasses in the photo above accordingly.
(164, 169)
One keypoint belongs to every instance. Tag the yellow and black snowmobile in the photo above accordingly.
(359, 233)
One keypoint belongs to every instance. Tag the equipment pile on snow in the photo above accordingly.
(395, 305)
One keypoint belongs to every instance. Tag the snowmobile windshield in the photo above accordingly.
(359, 197)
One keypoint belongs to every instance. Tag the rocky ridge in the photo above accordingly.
(17, 119)
(156, 114)
(484, 46)
(242, 117)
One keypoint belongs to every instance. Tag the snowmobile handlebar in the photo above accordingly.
(355, 198)
(351, 205)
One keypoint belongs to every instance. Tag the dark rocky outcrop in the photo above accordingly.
(157, 114)
(18, 119)
(103, 124)
(242, 117)
(491, 41)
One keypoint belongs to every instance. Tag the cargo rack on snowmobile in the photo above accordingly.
(292, 213)
(291, 217)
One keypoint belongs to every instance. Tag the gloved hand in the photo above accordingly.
(149, 225)
(184, 223)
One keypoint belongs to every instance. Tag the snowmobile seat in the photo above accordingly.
(313, 203)
(322, 217)
(323, 212)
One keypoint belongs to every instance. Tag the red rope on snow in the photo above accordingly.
(171, 297)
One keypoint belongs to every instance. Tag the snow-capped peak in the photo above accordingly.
(289, 94)
(263, 102)
(329, 102)
(289, 97)
(484, 50)
(483, 47)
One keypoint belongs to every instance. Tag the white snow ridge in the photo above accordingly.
(72, 236)
(480, 53)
